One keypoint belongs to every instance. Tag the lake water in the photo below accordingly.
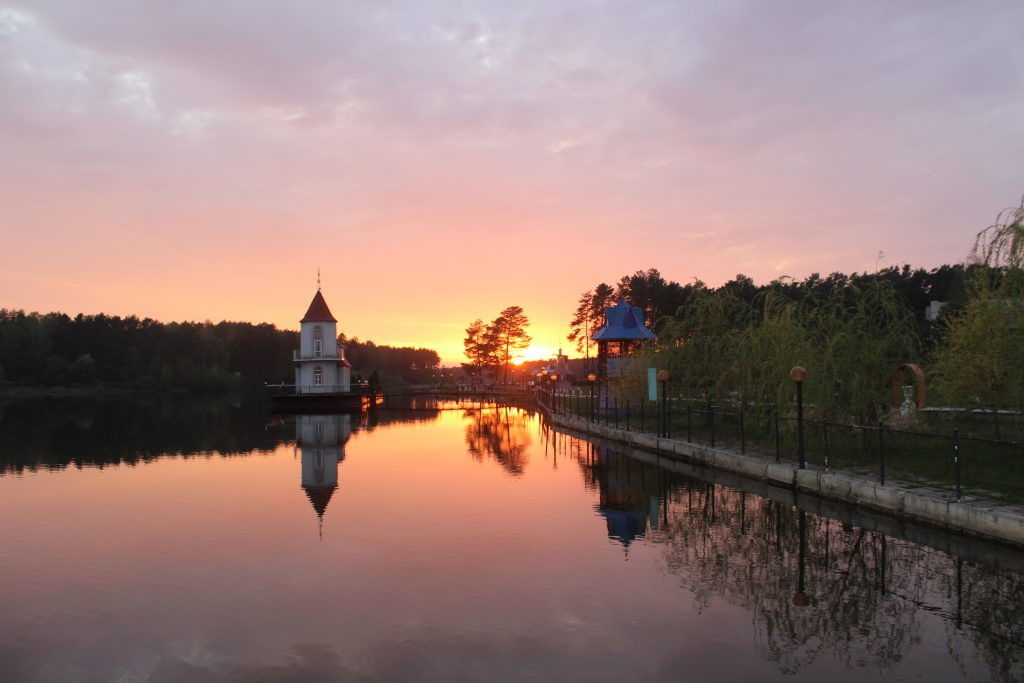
(205, 540)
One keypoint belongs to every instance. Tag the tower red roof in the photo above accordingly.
(318, 312)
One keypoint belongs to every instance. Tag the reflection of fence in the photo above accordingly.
(309, 390)
(459, 391)
(989, 467)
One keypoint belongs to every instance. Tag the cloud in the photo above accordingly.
(701, 138)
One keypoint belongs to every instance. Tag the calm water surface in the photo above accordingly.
(204, 540)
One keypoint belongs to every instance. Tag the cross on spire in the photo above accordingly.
(318, 279)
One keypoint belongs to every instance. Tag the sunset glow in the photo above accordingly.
(513, 155)
(534, 352)
(548, 340)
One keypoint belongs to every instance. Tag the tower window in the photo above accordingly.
(318, 341)
(318, 375)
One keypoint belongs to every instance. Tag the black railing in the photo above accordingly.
(310, 390)
(949, 461)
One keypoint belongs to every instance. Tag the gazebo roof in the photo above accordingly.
(623, 321)
(318, 311)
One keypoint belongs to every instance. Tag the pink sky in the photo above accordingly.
(440, 161)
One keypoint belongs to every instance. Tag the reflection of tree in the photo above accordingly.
(54, 433)
(864, 596)
(986, 608)
(500, 433)
(868, 592)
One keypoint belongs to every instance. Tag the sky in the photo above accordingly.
(439, 161)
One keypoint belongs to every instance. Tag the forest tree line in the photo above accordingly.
(851, 332)
(54, 349)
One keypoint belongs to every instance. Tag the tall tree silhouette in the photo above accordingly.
(509, 331)
(589, 315)
(481, 346)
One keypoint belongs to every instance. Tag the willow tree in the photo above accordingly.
(980, 361)
(850, 340)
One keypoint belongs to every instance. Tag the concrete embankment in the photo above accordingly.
(976, 517)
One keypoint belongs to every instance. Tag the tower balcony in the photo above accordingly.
(297, 356)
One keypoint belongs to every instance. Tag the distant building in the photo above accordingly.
(320, 365)
(934, 310)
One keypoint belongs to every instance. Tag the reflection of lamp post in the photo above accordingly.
(801, 599)
(798, 375)
(663, 377)
(592, 378)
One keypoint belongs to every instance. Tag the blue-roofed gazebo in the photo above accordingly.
(621, 336)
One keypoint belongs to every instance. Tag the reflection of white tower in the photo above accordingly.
(321, 439)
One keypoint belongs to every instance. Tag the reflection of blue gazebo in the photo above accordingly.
(621, 336)
(624, 525)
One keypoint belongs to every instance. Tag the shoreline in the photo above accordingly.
(106, 391)
(970, 516)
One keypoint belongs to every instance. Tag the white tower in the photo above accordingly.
(320, 365)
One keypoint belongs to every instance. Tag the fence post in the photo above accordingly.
(627, 414)
(881, 451)
(616, 404)
(689, 424)
(824, 442)
(778, 452)
(956, 459)
(643, 426)
(743, 434)
(711, 421)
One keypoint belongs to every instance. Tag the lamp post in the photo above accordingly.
(798, 375)
(592, 378)
(554, 380)
(663, 378)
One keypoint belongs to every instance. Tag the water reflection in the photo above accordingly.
(630, 493)
(502, 434)
(321, 441)
(615, 564)
(814, 585)
(53, 433)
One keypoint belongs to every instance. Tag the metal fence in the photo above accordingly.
(946, 460)
(311, 390)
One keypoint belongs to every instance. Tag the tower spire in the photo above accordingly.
(318, 279)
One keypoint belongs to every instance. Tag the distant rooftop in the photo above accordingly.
(318, 312)
(623, 321)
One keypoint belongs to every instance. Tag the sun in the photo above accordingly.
(533, 352)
